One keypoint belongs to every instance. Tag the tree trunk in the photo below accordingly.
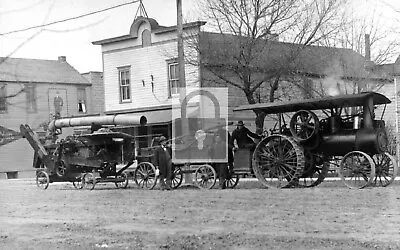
(260, 116)
(260, 122)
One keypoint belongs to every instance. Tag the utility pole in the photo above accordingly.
(182, 80)
(397, 119)
(181, 53)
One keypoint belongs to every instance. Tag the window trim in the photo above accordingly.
(120, 70)
(29, 108)
(170, 62)
(146, 38)
(85, 108)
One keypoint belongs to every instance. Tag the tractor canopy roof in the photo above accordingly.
(340, 101)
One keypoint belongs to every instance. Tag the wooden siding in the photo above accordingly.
(18, 155)
(97, 92)
(156, 39)
(144, 63)
(17, 112)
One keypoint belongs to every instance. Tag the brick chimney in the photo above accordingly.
(367, 47)
(62, 58)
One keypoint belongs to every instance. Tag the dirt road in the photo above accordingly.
(329, 216)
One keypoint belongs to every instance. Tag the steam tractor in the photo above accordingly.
(339, 132)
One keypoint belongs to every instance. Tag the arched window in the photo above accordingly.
(146, 38)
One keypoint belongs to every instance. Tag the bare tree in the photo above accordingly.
(246, 56)
(368, 34)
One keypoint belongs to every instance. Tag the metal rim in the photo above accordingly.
(145, 175)
(313, 174)
(42, 179)
(177, 177)
(385, 169)
(78, 183)
(232, 181)
(123, 182)
(278, 161)
(304, 125)
(61, 169)
(357, 170)
(89, 181)
(205, 176)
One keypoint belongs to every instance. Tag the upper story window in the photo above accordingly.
(173, 77)
(146, 38)
(81, 100)
(125, 84)
(30, 93)
(3, 98)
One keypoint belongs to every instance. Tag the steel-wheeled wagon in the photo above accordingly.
(313, 136)
(203, 175)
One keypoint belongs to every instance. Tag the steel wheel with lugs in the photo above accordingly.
(357, 170)
(278, 161)
(385, 169)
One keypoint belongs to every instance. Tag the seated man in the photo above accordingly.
(243, 137)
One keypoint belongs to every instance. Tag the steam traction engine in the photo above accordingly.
(301, 154)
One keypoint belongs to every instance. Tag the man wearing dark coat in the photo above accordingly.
(162, 160)
(244, 137)
(218, 151)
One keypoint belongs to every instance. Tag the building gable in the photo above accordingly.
(39, 71)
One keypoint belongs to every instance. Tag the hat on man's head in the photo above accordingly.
(162, 138)
(240, 123)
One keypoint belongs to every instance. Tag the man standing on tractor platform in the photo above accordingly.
(243, 137)
(162, 160)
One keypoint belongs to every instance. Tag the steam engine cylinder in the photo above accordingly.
(371, 141)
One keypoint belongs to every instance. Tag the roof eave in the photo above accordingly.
(113, 39)
(160, 30)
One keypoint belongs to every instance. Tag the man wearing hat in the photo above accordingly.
(162, 160)
(243, 137)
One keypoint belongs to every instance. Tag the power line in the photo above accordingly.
(69, 19)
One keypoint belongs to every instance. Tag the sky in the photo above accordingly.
(73, 39)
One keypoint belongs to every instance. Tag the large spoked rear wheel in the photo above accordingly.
(145, 175)
(122, 181)
(89, 181)
(205, 176)
(385, 169)
(278, 161)
(177, 177)
(42, 179)
(357, 170)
